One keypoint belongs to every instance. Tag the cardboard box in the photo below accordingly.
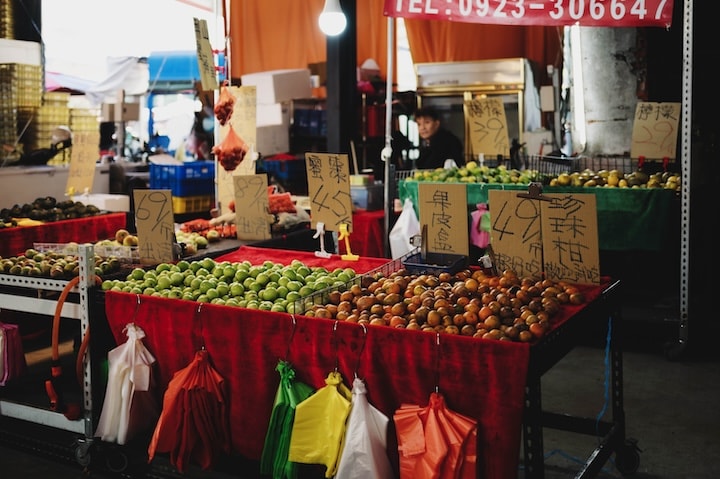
(272, 139)
(277, 86)
(128, 112)
(368, 197)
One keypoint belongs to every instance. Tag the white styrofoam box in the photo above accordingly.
(272, 139)
(19, 51)
(105, 202)
(277, 86)
(273, 114)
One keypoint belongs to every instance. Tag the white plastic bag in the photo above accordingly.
(406, 226)
(130, 403)
(364, 451)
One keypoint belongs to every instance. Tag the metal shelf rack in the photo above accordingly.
(35, 295)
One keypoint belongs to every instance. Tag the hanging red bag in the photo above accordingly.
(231, 151)
(224, 107)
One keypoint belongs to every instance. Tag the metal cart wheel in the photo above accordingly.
(627, 457)
(82, 453)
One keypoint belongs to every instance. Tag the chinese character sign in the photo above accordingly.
(206, 62)
(443, 208)
(516, 233)
(570, 238)
(329, 190)
(655, 130)
(251, 207)
(555, 237)
(83, 159)
(488, 126)
(155, 225)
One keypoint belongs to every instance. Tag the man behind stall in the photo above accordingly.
(437, 144)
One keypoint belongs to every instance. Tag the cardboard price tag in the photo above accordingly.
(488, 126)
(155, 225)
(655, 130)
(206, 62)
(84, 156)
(555, 234)
(252, 216)
(329, 190)
(447, 224)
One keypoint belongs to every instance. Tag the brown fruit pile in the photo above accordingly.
(469, 303)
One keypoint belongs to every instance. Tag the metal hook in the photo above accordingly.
(362, 349)
(202, 332)
(137, 308)
(292, 335)
(335, 341)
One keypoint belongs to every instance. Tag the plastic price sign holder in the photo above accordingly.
(329, 190)
(487, 125)
(320, 233)
(252, 217)
(81, 173)
(155, 225)
(655, 130)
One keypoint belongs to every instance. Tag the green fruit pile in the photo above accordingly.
(472, 172)
(193, 241)
(55, 264)
(269, 286)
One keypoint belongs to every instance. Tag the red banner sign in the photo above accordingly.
(590, 13)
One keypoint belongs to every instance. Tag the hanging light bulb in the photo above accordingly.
(332, 20)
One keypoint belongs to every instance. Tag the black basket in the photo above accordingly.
(435, 263)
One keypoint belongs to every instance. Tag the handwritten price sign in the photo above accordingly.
(608, 13)
(329, 189)
(655, 130)
(488, 126)
(155, 225)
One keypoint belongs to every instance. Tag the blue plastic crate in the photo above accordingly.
(193, 178)
(286, 169)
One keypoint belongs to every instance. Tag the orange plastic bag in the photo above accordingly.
(435, 442)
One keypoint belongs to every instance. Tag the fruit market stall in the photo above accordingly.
(16, 239)
(628, 218)
(483, 379)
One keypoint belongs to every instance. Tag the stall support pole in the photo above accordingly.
(387, 150)
(686, 157)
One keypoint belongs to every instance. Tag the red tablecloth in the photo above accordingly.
(483, 379)
(81, 230)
